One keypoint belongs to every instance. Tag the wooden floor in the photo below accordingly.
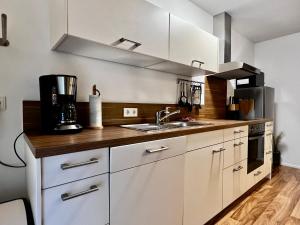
(275, 202)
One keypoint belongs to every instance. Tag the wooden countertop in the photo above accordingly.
(51, 145)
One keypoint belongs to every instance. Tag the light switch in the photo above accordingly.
(2, 103)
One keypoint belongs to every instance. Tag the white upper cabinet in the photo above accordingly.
(189, 44)
(131, 32)
(143, 26)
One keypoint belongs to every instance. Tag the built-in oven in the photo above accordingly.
(256, 143)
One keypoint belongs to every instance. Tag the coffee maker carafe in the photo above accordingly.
(58, 104)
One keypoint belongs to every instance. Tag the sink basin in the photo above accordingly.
(166, 126)
(190, 124)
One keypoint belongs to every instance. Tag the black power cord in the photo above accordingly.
(16, 153)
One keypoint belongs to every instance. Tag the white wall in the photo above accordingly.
(29, 56)
(279, 59)
(242, 49)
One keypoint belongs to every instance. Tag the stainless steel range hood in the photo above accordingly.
(229, 70)
(234, 70)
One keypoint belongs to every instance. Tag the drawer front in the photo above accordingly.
(236, 151)
(234, 182)
(91, 207)
(196, 141)
(128, 156)
(66, 168)
(235, 133)
(269, 127)
(256, 175)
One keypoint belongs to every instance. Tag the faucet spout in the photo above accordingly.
(159, 119)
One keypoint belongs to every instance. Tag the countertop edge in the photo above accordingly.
(42, 152)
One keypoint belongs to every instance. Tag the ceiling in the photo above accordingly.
(258, 20)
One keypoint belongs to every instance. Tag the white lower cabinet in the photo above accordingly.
(235, 182)
(150, 194)
(77, 203)
(203, 184)
(268, 157)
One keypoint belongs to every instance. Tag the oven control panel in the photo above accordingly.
(256, 129)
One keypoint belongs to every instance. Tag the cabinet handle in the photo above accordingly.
(218, 151)
(236, 131)
(258, 173)
(239, 144)
(241, 131)
(67, 166)
(269, 134)
(269, 152)
(238, 169)
(163, 148)
(135, 44)
(197, 61)
(68, 196)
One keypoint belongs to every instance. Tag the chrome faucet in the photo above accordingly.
(159, 118)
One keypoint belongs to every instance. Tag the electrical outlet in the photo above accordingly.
(2, 103)
(130, 112)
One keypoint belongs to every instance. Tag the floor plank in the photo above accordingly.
(296, 211)
(275, 202)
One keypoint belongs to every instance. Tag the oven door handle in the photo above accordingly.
(255, 137)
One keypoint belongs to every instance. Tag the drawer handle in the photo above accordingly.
(163, 148)
(241, 131)
(218, 151)
(269, 134)
(197, 61)
(68, 196)
(135, 44)
(269, 152)
(236, 131)
(67, 166)
(238, 169)
(258, 173)
(239, 144)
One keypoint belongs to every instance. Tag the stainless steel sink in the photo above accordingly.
(166, 126)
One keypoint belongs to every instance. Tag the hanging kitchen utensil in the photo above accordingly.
(183, 98)
(191, 103)
(187, 88)
(3, 41)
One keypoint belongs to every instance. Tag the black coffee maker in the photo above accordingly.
(58, 99)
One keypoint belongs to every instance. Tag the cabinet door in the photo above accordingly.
(268, 141)
(107, 21)
(203, 184)
(77, 203)
(234, 182)
(188, 43)
(148, 194)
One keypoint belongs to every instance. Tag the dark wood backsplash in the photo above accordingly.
(214, 108)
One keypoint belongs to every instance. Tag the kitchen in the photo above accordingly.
(29, 56)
